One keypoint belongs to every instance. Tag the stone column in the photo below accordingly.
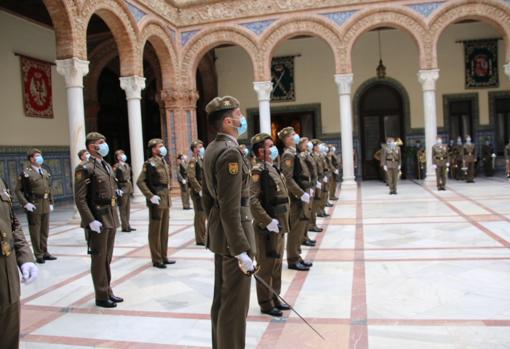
(427, 79)
(344, 83)
(73, 70)
(507, 69)
(133, 86)
(263, 89)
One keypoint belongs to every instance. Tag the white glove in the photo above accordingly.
(30, 207)
(385, 168)
(28, 272)
(245, 262)
(183, 181)
(51, 207)
(337, 172)
(325, 179)
(318, 185)
(493, 155)
(312, 192)
(399, 167)
(96, 226)
(434, 166)
(200, 193)
(155, 199)
(273, 226)
(447, 164)
(119, 192)
(305, 198)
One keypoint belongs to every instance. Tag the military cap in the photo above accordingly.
(33, 151)
(155, 141)
(195, 143)
(221, 103)
(118, 152)
(316, 141)
(286, 132)
(258, 138)
(94, 136)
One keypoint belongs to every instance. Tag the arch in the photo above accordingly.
(154, 32)
(123, 26)
(395, 17)
(294, 26)
(491, 12)
(207, 40)
(63, 17)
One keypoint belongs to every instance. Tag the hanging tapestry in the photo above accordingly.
(36, 84)
(481, 60)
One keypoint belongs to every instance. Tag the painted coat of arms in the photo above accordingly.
(36, 84)
(282, 76)
(481, 60)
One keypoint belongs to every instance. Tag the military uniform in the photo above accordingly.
(124, 182)
(194, 173)
(226, 195)
(317, 170)
(327, 174)
(182, 178)
(507, 159)
(14, 253)
(34, 186)
(333, 163)
(487, 152)
(469, 159)
(154, 180)
(453, 155)
(95, 197)
(391, 158)
(459, 160)
(440, 159)
(269, 199)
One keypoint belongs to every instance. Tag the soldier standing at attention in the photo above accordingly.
(459, 159)
(452, 156)
(195, 172)
(230, 236)
(15, 257)
(441, 162)
(96, 200)
(154, 182)
(488, 157)
(33, 190)
(299, 183)
(507, 159)
(304, 149)
(469, 159)
(333, 160)
(182, 178)
(125, 189)
(269, 202)
(316, 204)
(391, 160)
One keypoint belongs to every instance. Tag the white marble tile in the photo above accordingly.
(344, 211)
(339, 236)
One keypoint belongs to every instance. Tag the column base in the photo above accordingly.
(348, 182)
(430, 178)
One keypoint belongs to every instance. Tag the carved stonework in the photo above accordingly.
(177, 99)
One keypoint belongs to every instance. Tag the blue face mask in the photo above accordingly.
(296, 138)
(274, 153)
(104, 149)
(123, 157)
(39, 160)
(309, 146)
(246, 151)
(163, 151)
(244, 126)
(201, 152)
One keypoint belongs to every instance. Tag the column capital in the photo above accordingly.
(428, 78)
(507, 69)
(73, 70)
(263, 89)
(133, 86)
(344, 83)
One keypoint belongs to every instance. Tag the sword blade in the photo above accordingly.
(259, 279)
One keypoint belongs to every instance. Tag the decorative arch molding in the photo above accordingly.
(290, 27)
(495, 13)
(209, 39)
(63, 17)
(122, 24)
(395, 17)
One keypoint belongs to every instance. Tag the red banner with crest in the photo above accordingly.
(36, 84)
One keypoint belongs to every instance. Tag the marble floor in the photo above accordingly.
(423, 269)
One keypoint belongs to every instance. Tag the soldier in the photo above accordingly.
(304, 148)
(269, 202)
(441, 162)
(299, 183)
(316, 203)
(507, 159)
(377, 157)
(15, 257)
(125, 189)
(154, 182)
(459, 159)
(469, 159)
(333, 162)
(194, 172)
(33, 190)
(95, 197)
(83, 155)
(452, 156)
(328, 174)
(391, 160)
(226, 196)
(488, 157)
(182, 178)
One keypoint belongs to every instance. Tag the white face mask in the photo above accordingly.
(439, 141)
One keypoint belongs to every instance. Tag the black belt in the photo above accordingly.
(41, 196)
(280, 200)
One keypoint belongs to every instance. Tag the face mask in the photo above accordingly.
(324, 149)
(393, 145)
(309, 146)
(246, 151)
(244, 126)
(439, 141)
(163, 151)
(123, 157)
(201, 152)
(184, 158)
(468, 140)
(104, 149)
(39, 160)
(274, 153)
(296, 138)
(333, 150)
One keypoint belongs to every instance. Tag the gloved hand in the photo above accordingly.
(245, 262)
(385, 168)
(447, 164)
(493, 155)
(96, 226)
(337, 172)
(183, 181)
(318, 185)
(305, 198)
(119, 192)
(434, 166)
(273, 226)
(200, 193)
(155, 199)
(312, 192)
(30, 207)
(325, 179)
(28, 272)
(51, 208)
(399, 167)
